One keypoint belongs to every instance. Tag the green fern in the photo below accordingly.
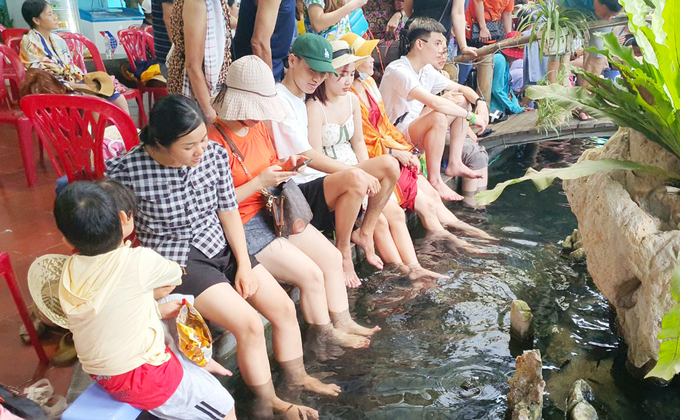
(668, 364)
(5, 20)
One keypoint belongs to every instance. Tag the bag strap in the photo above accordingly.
(234, 149)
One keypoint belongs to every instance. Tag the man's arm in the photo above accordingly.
(458, 19)
(265, 23)
(506, 18)
(167, 13)
(408, 7)
(484, 34)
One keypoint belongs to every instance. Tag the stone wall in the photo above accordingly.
(629, 227)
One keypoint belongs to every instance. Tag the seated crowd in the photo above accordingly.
(195, 191)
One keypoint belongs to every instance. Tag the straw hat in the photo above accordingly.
(96, 83)
(342, 54)
(360, 46)
(44, 277)
(251, 93)
(514, 52)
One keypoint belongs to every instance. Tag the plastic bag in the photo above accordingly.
(195, 340)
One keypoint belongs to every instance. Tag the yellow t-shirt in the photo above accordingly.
(109, 302)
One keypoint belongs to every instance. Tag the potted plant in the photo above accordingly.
(554, 25)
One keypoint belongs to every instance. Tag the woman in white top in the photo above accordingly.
(335, 128)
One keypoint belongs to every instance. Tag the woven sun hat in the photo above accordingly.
(360, 47)
(514, 52)
(251, 93)
(342, 54)
(44, 277)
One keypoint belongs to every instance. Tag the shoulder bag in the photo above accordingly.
(285, 202)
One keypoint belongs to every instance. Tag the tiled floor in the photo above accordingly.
(27, 231)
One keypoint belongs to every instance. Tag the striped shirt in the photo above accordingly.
(161, 40)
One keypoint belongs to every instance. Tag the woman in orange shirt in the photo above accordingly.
(307, 260)
(381, 137)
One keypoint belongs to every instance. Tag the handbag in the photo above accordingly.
(495, 28)
(41, 81)
(285, 202)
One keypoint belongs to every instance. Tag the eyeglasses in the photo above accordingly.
(444, 52)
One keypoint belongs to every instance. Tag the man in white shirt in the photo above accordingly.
(409, 87)
(335, 198)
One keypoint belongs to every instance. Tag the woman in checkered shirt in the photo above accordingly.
(188, 213)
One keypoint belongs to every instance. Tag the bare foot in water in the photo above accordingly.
(470, 230)
(365, 242)
(349, 340)
(299, 412)
(417, 272)
(312, 384)
(445, 192)
(217, 369)
(459, 169)
(354, 328)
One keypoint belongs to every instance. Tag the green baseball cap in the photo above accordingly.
(317, 52)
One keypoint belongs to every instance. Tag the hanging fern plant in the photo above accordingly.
(5, 20)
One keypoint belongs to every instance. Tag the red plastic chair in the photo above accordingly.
(11, 114)
(8, 33)
(138, 45)
(72, 130)
(7, 272)
(77, 44)
(14, 42)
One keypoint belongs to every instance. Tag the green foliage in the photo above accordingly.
(669, 351)
(545, 177)
(647, 95)
(549, 114)
(555, 26)
(5, 20)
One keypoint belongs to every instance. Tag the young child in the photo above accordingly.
(409, 89)
(330, 18)
(107, 293)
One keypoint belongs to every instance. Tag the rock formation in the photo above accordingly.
(628, 223)
(525, 399)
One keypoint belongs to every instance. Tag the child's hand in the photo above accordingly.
(170, 309)
(161, 292)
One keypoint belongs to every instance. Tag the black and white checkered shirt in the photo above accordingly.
(178, 206)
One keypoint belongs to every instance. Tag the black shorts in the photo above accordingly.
(323, 218)
(202, 272)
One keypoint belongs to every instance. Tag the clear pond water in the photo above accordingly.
(445, 354)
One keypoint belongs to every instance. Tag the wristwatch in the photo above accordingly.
(479, 98)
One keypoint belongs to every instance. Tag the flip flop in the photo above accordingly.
(485, 133)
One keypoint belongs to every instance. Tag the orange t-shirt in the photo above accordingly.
(493, 11)
(258, 152)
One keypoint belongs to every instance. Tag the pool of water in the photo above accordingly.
(445, 353)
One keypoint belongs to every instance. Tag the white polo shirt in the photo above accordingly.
(291, 136)
(397, 83)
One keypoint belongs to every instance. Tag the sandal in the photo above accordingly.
(497, 116)
(580, 115)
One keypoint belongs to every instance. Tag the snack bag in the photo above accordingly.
(195, 340)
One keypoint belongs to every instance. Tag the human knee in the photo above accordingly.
(250, 327)
(440, 120)
(355, 180)
(390, 166)
(394, 213)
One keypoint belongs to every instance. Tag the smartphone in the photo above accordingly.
(300, 163)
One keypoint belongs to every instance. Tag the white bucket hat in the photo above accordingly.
(342, 54)
(251, 92)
